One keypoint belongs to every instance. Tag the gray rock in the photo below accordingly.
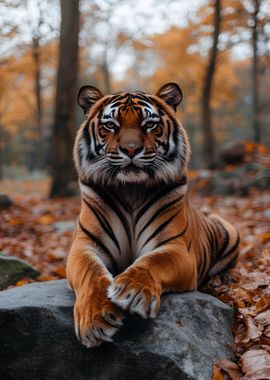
(5, 201)
(233, 152)
(13, 269)
(191, 332)
(262, 180)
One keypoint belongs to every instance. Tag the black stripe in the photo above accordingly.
(174, 154)
(143, 97)
(160, 194)
(126, 206)
(212, 227)
(87, 138)
(111, 99)
(160, 228)
(207, 227)
(232, 263)
(104, 224)
(203, 267)
(86, 135)
(159, 212)
(143, 103)
(99, 243)
(95, 142)
(207, 231)
(120, 97)
(226, 240)
(233, 247)
(110, 201)
(173, 237)
(214, 241)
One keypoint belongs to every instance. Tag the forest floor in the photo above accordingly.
(40, 232)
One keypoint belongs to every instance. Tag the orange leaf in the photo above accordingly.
(46, 277)
(265, 237)
(229, 368)
(16, 220)
(24, 281)
(61, 272)
(45, 219)
(217, 374)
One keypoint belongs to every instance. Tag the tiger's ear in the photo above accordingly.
(171, 94)
(88, 96)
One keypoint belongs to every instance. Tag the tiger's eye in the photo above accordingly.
(149, 124)
(110, 125)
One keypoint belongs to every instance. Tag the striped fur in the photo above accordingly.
(137, 235)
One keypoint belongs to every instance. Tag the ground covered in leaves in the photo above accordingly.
(40, 232)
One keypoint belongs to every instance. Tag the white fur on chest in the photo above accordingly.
(132, 249)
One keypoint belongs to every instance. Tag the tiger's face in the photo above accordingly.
(131, 137)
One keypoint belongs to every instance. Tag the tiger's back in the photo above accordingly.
(217, 250)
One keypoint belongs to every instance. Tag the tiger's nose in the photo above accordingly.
(131, 149)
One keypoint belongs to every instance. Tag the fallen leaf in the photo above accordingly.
(45, 219)
(252, 331)
(226, 367)
(61, 272)
(16, 220)
(265, 237)
(46, 277)
(217, 374)
(263, 318)
(24, 281)
(256, 364)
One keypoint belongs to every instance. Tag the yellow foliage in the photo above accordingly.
(17, 89)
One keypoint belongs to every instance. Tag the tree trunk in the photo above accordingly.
(207, 126)
(65, 106)
(255, 87)
(39, 145)
(106, 72)
(107, 77)
(1, 151)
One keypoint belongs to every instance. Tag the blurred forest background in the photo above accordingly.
(217, 51)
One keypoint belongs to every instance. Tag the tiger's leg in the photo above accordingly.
(169, 268)
(96, 318)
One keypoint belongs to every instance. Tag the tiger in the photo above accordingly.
(137, 236)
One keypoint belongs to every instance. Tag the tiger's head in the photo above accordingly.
(131, 137)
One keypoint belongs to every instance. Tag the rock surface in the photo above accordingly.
(5, 201)
(239, 181)
(13, 269)
(233, 152)
(191, 332)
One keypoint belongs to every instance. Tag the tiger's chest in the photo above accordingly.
(129, 238)
(126, 227)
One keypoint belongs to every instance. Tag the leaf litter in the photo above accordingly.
(30, 230)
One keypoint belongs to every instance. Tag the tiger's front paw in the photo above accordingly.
(136, 291)
(96, 320)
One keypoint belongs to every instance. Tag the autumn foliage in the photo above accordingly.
(114, 56)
